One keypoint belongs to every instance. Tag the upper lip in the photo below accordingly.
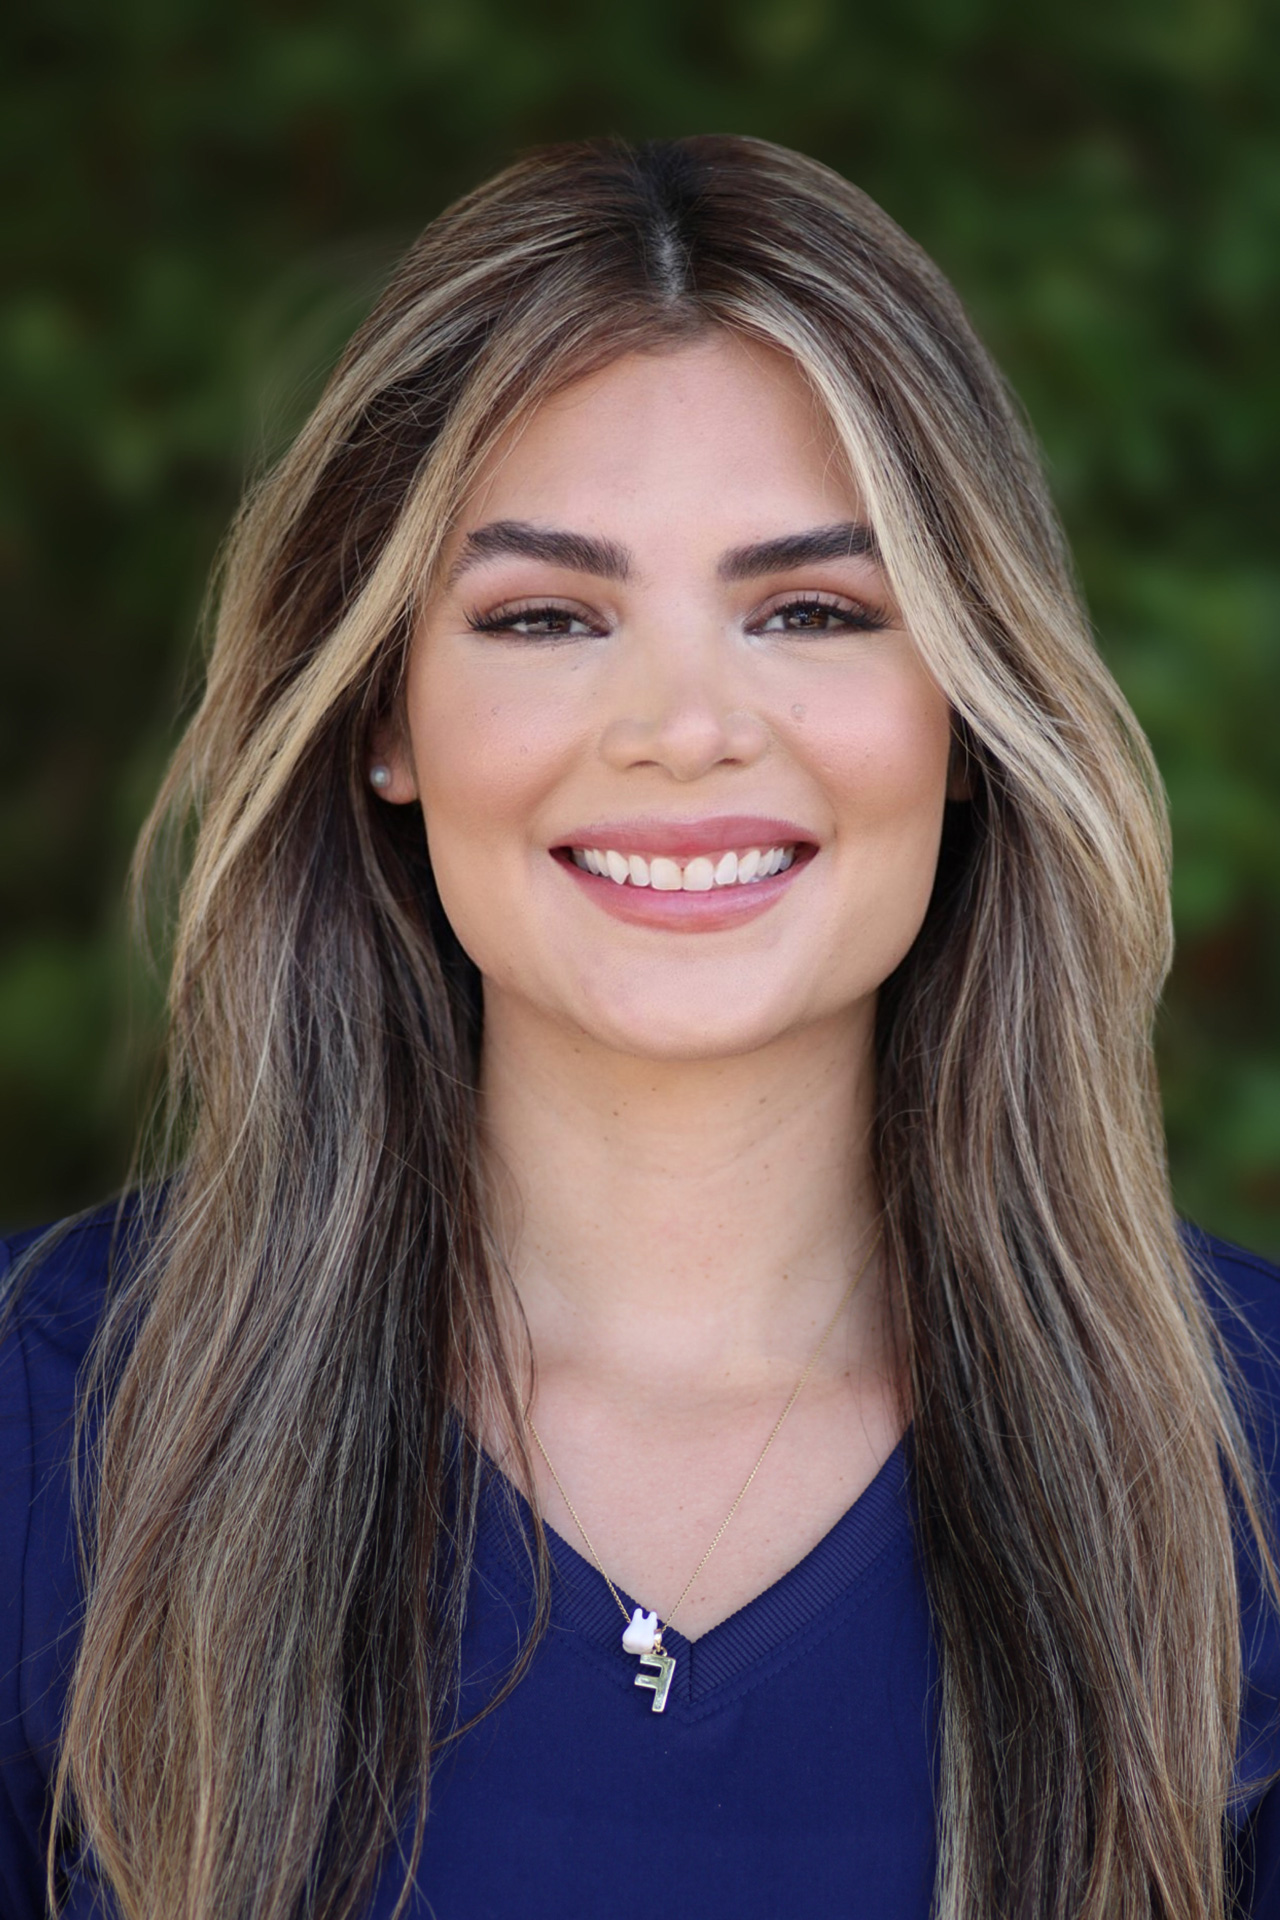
(685, 839)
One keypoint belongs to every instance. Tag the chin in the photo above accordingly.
(690, 1032)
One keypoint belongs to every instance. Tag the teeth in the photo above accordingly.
(702, 874)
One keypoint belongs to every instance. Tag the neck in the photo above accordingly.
(724, 1202)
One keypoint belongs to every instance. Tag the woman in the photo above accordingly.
(661, 1042)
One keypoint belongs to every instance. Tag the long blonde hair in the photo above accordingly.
(284, 1511)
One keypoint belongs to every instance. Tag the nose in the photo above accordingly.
(677, 711)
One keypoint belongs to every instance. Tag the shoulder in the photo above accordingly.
(1242, 1292)
(53, 1289)
(1234, 1270)
(54, 1280)
(54, 1285)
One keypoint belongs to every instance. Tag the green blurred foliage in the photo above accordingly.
(200, 199)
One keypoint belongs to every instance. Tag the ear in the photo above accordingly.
(389, 768)
(959, 781)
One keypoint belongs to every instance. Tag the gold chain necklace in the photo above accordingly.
(643, 1632)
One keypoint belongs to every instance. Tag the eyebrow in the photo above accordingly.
(850, 540)
(585, 553)
(582, 552)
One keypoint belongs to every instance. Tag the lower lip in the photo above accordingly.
(681, 912)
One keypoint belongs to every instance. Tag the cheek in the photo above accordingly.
(884, 755)
(484, 756)
(884, 768)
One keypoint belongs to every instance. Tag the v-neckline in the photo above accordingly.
(835, 1568)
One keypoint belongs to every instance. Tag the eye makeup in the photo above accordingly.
(810, 613)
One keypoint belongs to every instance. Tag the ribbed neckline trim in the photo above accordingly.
(832, 1570)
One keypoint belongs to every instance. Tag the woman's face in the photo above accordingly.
(663, 648)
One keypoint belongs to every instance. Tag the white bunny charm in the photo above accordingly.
(640, 1632)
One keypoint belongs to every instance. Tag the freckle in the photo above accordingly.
(797, 712)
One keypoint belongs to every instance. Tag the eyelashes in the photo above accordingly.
(541, 622)
(812, 613)
(816, 613)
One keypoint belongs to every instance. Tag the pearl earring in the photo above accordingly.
(380, 777)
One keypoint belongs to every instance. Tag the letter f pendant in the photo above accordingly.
(659, 1681)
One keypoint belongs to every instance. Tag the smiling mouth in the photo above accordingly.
(705, 873)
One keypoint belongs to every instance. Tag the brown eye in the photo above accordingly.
(809, 619)
(533, 623)
(820, 616)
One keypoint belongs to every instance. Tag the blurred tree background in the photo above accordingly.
(200, 199)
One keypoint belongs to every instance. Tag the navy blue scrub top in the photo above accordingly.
(792, 1772)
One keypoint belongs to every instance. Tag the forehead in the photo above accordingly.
(722, 426)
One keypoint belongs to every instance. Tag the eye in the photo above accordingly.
(820, 613)
(540, 622)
